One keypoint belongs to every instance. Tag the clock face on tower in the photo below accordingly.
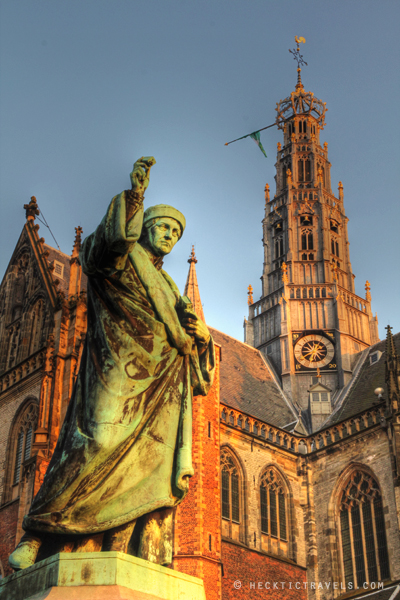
(314, 351)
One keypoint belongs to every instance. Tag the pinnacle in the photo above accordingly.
(78, 241)
(390, 347)
(192, 287)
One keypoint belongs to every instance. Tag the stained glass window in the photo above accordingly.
(362, 526)
(273, 505)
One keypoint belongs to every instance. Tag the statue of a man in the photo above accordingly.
(123, 458)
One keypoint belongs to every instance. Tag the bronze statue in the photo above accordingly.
(123, 458)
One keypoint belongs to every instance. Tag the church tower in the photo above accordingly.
(309, 320)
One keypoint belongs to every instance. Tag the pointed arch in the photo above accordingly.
(276, 512)
(356, 516)
(233, 495)
(19, 447)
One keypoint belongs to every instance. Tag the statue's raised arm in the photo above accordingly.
(106, 250)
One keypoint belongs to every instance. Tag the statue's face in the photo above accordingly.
(163, 235)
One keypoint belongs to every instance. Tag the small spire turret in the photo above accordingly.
(77, 242)
(250, 295)
(367, 291)
(340, 188)
(266, 193)
(192, 287)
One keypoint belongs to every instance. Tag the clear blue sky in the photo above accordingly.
(89, 86)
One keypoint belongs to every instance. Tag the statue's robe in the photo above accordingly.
(125, 446)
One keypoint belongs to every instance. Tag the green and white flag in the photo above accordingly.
(256, 137)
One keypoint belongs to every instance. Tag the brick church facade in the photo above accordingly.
(296, 448)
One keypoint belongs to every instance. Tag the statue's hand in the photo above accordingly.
(196, 328)
(140, 175)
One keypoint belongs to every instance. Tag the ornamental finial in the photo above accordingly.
(192, 258)
(299, 58)
(31, 209)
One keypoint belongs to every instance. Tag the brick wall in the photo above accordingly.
(197, 538)
(250, 568)
(8, 528)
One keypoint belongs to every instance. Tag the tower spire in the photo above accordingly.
(192, 287)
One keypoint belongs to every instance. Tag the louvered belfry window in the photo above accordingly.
(273, 505)
(18, 457)
(230, 488)
(362, 527)
(23, 446)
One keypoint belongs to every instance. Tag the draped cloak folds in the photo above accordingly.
(125, 445)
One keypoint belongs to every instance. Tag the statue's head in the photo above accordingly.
(163, 226)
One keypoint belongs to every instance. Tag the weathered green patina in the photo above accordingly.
(125, 446)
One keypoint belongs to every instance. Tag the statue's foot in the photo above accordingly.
(25, 553)
(117, 539)
(89, 543)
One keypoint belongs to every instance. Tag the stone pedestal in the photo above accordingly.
(100, 576)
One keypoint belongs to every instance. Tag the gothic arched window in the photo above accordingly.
(24, 440)
(334, 247)
(273, 505)
(362, 531)
(230, 485)
(20, 448)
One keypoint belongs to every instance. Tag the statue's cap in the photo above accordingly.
(163, 210)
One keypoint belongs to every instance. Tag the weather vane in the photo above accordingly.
(296, 53)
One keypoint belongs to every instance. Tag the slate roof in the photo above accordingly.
(247, 384)
(361, 395)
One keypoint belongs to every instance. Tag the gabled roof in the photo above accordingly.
(319, 387)
(44, 257)
(361, 395)
(248, 384)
